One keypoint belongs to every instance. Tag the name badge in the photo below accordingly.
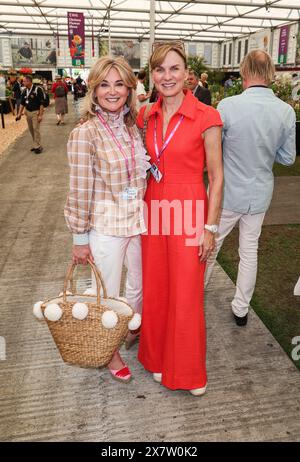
(129, 193)
(156, 173)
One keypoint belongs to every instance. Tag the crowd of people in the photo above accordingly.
(32, 95)
(170, 256)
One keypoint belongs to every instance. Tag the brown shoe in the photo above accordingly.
(38, 150)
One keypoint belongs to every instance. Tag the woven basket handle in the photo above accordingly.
(98, 277)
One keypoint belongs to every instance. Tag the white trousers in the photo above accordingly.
(249, 232)
(110, 253)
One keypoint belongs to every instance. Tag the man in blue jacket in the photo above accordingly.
(258, 130)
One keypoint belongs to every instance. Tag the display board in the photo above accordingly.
(33, 51)
(261, 40)
(129, 49)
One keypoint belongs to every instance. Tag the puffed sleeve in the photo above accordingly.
(211, 118)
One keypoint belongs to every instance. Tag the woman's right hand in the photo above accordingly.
(81, 254)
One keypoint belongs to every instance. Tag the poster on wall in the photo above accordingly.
(30, 52)
(129, 49)
(76, 38)
(283, 44)
(260, 40)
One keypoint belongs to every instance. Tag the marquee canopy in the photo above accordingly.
(210, 21)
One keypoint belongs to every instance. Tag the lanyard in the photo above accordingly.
(158, 152)
(105, 124)
(28, 92)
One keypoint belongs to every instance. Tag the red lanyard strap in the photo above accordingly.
(108, 128)
(158, 152)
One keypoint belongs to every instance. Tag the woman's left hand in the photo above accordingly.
(207, 245)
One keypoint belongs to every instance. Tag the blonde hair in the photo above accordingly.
(204, 75)
(258, 64)
(98, 73)
(161, 49)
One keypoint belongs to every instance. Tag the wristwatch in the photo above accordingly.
(212, 228)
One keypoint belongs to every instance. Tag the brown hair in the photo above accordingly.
(191, 71)
(258, 64)
(98, 73)
(161, 49)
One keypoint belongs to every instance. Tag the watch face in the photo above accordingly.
(212, 228)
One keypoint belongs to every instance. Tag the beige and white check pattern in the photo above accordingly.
(98, 175)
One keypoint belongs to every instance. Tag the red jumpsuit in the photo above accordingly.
(173, 339)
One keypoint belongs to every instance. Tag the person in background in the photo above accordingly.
(32, 101)
(60, 92)
(258, 130)
(79, 92)
(16, 89)
(201, 93)
(203, 80)
(45, 85)
(181, 135)
(228, 83)
(142, 95)
(68, 82)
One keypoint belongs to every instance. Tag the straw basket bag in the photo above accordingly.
(87, 329)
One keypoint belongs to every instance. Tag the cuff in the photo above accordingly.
(81, 239)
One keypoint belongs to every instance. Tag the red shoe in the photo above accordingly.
(121, 375)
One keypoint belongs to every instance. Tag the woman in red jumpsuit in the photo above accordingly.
(182, 136)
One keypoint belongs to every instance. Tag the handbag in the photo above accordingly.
(87, 329)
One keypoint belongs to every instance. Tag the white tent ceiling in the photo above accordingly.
(197, 20)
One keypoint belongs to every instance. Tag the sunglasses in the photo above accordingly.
(173, 43)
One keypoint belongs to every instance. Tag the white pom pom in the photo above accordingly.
(68, 293)
(109, 319)
(90, 291)
(37, 311)
(135, 322)
(80, 311)
(53, 312)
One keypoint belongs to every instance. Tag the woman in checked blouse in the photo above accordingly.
(107, 184)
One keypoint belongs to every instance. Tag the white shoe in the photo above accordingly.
(157, 376)
(198, 391)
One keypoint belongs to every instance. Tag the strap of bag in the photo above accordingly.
(98, 277)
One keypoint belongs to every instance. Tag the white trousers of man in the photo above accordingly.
(110, 253)
(249, 232)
